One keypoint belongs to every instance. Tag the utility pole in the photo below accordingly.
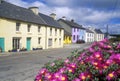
(107, 31)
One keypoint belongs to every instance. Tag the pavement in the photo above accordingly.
(23, 66)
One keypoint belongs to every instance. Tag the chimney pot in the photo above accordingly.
(35, 10)
(72, 20)
(53, 15)
(1, 1)
(64, 18)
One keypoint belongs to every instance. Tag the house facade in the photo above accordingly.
(27, 28)
(98, 34)
(73, 28)
(89, 35)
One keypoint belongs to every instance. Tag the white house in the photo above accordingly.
(89, 35)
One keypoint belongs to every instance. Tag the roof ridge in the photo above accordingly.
(16, 5)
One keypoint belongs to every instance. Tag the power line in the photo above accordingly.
(114, 7)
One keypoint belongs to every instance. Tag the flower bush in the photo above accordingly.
(99, 62)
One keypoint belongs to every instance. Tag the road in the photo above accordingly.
(23, 66)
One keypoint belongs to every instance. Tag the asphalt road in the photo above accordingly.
(23, 66)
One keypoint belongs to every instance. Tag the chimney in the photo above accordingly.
(72, 20)
(35, 10)
(53, 15)
(64, 18)
(1, 1)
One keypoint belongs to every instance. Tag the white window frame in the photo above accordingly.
(18, 26)
(50, 42)
(39, 29)
(50, 31)
(39, 40)
(29, 28)
(16, 43)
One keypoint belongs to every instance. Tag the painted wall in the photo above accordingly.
(99, 37)
(75, 32)
(65, 26)
(67, 39)
(89, 37)
(57, 39)
(82, 34)
(8, 31)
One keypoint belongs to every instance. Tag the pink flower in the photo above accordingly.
(97, 54)
(43, 71)
(84, 75)
(77, 79)
(118, 46)
(67, 61)
(52, 64)
(61, 70)
(71, 70)
(91, 50)
(38, 78)
(110, 76)
(73, 65)
(63, 77)
(48, 76)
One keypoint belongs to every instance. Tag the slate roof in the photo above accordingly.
(72, 24)
(11, 11)
(49, 20)
(98, 31)
(67, 33)
(89, 31)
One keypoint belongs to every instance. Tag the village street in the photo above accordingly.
(23, 66)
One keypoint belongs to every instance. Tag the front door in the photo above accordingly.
(28, 44)
(2, 45)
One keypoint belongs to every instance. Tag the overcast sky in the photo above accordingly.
(89, 13)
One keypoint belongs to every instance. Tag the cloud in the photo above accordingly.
(18, 3)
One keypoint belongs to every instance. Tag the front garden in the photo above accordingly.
(99, 62)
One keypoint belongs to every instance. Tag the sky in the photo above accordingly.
(89, 13)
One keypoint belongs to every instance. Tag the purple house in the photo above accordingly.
(73, 28)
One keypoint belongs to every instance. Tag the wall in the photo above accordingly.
(76, 33)
(82, 34)
(55, 37)
(65, 26)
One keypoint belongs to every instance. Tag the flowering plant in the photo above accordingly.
(99, 62)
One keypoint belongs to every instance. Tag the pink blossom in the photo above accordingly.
(77, 79)
(110, 76)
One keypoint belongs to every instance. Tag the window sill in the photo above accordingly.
(18, 32)
(29, 33)
(39, 34)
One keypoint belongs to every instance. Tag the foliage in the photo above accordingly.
(99, 62)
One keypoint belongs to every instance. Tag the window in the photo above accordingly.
(55, 32)
(49, 42)
(17, 26)
(50, 31)
(60, 41)
(73, 37)
(74, 29)
(77, 37)
(16, 43)
(39, 40)
(39, 28)
(29, 27)
(60, 32)
(88, 34)
(78, 30)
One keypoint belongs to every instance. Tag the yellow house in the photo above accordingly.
(67, 38)
(22, 28)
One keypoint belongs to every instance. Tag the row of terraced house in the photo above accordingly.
(28, 29)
